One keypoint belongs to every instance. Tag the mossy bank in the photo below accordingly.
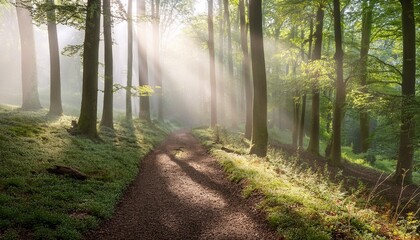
(35, 204)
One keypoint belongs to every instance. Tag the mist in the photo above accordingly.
(183, 61)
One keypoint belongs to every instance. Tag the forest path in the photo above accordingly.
(182, 193)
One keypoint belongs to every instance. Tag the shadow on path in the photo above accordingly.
(182, 193)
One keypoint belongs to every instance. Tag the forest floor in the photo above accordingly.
(183, 193)
(379, 185)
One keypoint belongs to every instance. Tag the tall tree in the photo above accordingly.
(259, 126)
(406, 148)
(156, 49)
(313, 146)
(303, 111)
(56, 108)
(108, 108)
(143, 62)
(295, 97)
(367, 18)
(246, 70)
(30, 96)
(128, 96)
(220, 78)
(233, 102)
(212, 65)
(87, 119)
(340, 94)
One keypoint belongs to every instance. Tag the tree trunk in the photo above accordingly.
(220, 78)
(259, 126)
(340, 94)
(212, 67)
(143, 61)
(233, 103)
(87, 119)
(302, 121)
(303, 110)
(30, 96)
(156, 49)
(296, 111)
(246, 71)
(128, 103)
(108, 108)
(313, 146)
(364, 50)
(56, 108)
(295, 100)
(406, 149)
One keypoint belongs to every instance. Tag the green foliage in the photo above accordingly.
(302, 203)
(138, 91)
(320, 72)
(72, 50)
(47, 206)
(69, 12)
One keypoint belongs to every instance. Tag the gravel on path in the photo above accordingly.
(183, 193)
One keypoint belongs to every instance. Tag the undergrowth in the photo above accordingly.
(301, 203)
(35, 204)
(381, 162)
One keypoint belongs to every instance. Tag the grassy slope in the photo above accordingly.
(39, 205)
(382, 163)
(302, 204)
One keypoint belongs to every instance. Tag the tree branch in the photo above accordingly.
(387, 64)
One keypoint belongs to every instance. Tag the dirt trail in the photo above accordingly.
(182, 193)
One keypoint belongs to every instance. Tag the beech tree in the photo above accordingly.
(313, 146)
(88, 111)
(156, 53)
(128, 95)
(246, 74)
(221, 83)
(340, 93)
(367, 19)
(212, 65)
(406, 148)
(143, 62)
(304, 97)
(107, 113)
(259, 125)
(233, 102)
(56, 108)
(30, 96)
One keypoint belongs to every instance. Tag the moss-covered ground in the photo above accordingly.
(35, 204)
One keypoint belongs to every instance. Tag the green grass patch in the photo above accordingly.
(35, 204)
(381, 163)
(301, 203)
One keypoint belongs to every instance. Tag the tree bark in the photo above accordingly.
(108, 108)
(87, 119)
(156, 50)
(143, 61)
(364, 50)
(246, 74)
(128, 96)
(303, 110)
(313, 146)
(406, 148)
(212, 65)
(56, 108)
(220, 78)
(259, 127)
(296, 111)
(233, 102)
(30, 96)
(340, 94)
(295, 99)
(302, 121)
